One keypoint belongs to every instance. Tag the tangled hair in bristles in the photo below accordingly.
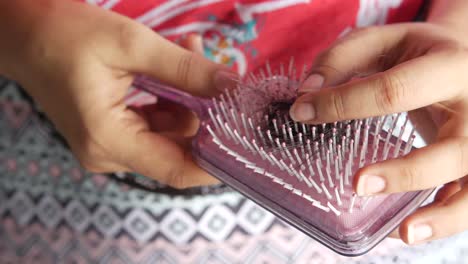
(268, 95)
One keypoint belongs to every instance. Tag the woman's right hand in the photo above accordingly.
(77, 61)
(411, 66)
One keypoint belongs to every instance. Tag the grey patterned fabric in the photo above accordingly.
(52, 211)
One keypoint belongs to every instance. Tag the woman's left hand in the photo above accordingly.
(409, 66)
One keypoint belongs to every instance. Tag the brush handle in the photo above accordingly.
(154, 87)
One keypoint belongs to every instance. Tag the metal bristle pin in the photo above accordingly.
(315, 162)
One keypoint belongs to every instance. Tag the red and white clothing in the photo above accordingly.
(247, 33)
(51, 211)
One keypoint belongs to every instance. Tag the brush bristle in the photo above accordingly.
(302, 173)
(315, 162)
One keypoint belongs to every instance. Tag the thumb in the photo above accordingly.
(159, 58)
(361, 52)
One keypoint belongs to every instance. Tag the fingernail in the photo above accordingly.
(419, 233)
(302, 112)
(312, 83)
(370, 184)
(225, 80)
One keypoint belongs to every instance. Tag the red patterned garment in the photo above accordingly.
(247, 33)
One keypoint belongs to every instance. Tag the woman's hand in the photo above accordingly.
(78, 62)
(402, 67)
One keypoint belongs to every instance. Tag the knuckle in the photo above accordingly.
(390, 93)
(358, 32)
(128, 36)
(184, 69)
(175, 175)
(409, 178)
(176, 179)
(89, 150)
(90, 165)
(86, 147)
(327, 57)
(337, 105)
(89, 156)
(326, 63)
(356, 35)
(91, 168)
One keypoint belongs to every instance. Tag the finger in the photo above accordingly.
(144, 51)
(168, 162)
(167, 117)
(424, 168)
(449, 189)
(94, 159)
(437, 220)
(347, 57)
(153, 155)
(410, 85)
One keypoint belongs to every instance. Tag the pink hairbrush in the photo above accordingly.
(301, 173)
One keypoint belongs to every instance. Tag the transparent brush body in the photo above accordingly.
(301, 173)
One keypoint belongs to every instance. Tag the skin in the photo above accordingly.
(417, 67)
(78, 61)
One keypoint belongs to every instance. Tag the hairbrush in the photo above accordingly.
(301, 173)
